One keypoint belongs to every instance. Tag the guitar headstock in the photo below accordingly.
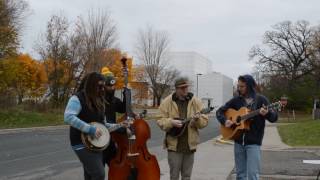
(206, 110)
(276, 106)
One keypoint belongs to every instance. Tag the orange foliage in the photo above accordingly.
(113, 62)
(25, 75)
(31, 76)
(63, 71)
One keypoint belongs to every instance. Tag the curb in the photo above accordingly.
(17, 130)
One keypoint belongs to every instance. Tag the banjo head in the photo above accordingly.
(97, 144)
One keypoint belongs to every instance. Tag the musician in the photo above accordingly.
(181, 104)
(87, 105)
(247, 148)
(113, 105)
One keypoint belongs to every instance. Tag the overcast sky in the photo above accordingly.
(221, 30)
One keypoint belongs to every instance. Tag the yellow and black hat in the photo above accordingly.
(108, 75)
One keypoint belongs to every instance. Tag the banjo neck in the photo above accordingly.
(115, 127)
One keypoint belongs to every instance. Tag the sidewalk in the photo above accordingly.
(214, 160)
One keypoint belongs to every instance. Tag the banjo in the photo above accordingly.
(101, 143)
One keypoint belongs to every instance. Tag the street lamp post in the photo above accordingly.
(198, 74)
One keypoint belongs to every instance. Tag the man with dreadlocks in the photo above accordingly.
(88, 105)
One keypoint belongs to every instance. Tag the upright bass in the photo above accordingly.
(132, 153)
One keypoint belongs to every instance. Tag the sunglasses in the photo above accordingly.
(101, 86)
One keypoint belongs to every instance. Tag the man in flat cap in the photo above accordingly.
(181, 104)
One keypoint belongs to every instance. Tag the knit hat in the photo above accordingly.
(110, 80)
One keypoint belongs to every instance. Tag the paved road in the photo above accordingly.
(38, 154)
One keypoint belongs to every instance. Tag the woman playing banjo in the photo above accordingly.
(84, 108)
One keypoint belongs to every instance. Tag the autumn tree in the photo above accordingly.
(56, 56)
(29, 78)
(12, 14)
(23, 76)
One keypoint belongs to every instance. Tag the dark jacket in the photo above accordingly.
(256, 132)
(113, 106)
(87, 116)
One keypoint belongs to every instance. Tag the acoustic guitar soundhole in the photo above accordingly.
(238, 119)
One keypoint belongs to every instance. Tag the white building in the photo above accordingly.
(189, 63)
(214, 88)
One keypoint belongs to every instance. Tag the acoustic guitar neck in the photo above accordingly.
(256, 112)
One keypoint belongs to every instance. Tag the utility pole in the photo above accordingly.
(198, 74)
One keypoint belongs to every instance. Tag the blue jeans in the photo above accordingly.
(247, 160)
(92, 163)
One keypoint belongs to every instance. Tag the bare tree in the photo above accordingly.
(289, 64)
(55, 53)
(151, 47)
(287, 54)
(315, 55)
(12, 14)
(98, 33)
(165, 85)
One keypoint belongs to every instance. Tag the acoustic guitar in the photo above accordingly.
(178, 131)
(241, 119)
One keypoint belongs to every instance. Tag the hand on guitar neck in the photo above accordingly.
(263, 111)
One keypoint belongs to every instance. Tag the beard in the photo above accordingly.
(109, 94)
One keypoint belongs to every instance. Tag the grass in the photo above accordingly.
(304, 132)
(17, 118)
(287, 117)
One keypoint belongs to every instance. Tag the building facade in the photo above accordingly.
(213, 88)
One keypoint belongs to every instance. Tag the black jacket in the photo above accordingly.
(256, 132)
(114, 105)
(87, 116)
